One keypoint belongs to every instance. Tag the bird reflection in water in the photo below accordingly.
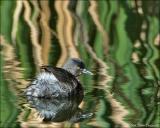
(57, 92)
(59, 109)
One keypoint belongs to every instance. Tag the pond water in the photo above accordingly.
(118, 41)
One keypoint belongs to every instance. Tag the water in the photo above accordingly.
(118, 42)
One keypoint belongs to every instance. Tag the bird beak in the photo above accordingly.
(87, 72)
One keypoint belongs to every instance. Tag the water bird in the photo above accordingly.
(54, 82)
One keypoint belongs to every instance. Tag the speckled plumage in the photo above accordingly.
(54, 82)
(58, 82)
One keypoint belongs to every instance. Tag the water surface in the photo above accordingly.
(118, 41)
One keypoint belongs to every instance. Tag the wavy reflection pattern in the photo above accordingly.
(119, 41)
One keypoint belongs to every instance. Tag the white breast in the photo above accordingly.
(47, 77)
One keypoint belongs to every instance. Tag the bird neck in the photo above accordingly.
(71, 69)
